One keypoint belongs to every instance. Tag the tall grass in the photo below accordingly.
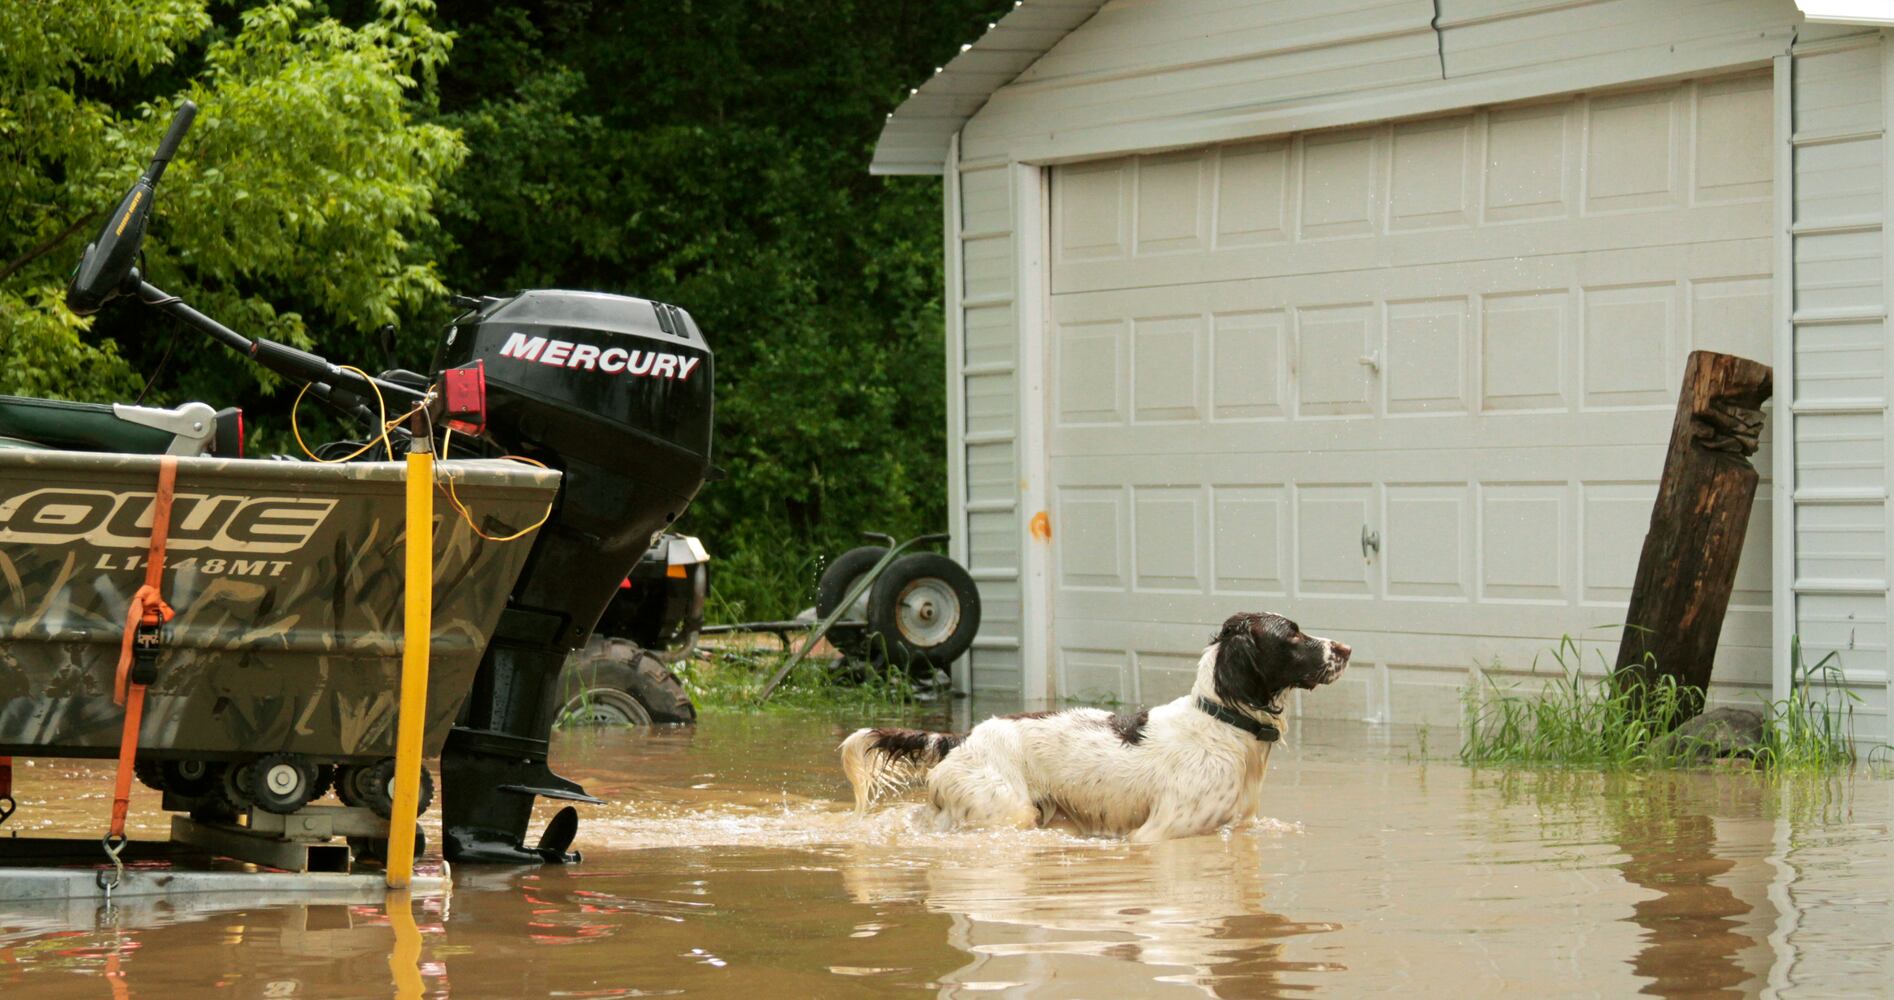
(1617, 721)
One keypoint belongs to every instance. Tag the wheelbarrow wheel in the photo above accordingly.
(834, 585)
(613, 682)
(925, 610)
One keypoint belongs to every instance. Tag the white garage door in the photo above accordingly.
(1409, 383)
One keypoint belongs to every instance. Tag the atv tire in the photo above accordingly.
(613, 682)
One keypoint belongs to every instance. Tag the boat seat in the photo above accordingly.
(64, 425)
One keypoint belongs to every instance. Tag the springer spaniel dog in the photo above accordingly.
(1181, 769)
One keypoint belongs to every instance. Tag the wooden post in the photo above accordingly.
(1697, 525)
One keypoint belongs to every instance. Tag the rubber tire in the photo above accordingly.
(376, 782)
(290, 800)
(234, 782)
(204, 785)
(842, 574)
(884, 599)
(150, 773)
(618, 665)
(348, 787)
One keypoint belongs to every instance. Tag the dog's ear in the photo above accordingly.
(1245, 675)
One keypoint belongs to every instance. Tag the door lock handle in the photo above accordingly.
(1370, 542)
(1372, 362)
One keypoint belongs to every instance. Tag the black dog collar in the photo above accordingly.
(1261, 730)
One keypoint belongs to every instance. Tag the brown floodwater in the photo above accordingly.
(728, 865)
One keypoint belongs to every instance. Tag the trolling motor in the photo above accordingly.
(614, 392)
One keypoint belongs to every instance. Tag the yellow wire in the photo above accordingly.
(381, 406)
(447, 442)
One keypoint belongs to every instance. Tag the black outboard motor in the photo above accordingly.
(615, 392)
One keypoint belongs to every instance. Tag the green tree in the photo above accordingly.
(714, 154)
(293, 202)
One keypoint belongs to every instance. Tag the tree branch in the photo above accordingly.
(47, 247)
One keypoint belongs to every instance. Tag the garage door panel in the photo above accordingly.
(1528, 170)
(1337, 181)
(1426, 541)
(1427, 363)
(1431, 174)
(1091, 529)
(1413, 384)
(1173, 199)
(1329, 521)
(1524, 534)
(1607, 170)
(1249, 534)
(1248, 372)
(1720, 260)
(1166, 382)
(1416, 633)
(1252, 194)
(1168, 527)
(1735, 118)
(1632, 160)
(1503, 245)
(1630, 338)
(1609, 550)
(1331, 342)
(1523, 350)
(1090, 386)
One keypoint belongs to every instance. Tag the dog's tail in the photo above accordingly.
(883, 761)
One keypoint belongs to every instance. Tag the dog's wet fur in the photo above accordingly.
(1169, 771)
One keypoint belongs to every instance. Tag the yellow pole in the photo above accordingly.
(416, 628)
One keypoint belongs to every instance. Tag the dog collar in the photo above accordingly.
(1261, 730)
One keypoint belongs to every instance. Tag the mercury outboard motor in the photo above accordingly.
(614, 392)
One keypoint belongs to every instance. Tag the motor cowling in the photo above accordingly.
(616, 393)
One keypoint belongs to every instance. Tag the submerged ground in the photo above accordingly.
(727, 866)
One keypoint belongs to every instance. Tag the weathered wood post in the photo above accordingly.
(1697, 525)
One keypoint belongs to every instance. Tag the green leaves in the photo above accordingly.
(293, 199)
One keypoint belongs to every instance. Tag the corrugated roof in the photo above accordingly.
(915, 138)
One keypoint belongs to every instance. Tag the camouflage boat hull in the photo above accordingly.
(287, 578)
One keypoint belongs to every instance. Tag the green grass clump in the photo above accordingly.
(732, 680)
(1617, 723)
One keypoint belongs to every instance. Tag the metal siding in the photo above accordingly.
(1838, 384)
(985, 439)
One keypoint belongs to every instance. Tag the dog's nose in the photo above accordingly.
(1342, 650)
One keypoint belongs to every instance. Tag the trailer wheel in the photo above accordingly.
(376, 784)
(192, 779)
(614, 683)
(234, 782)
(150, 773)
(926, 610)
(282, 783)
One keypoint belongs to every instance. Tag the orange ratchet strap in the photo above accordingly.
(147, 614)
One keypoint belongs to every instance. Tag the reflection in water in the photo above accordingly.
(1695, 938)
(1187, 912)
(729, 866)
(404, 959)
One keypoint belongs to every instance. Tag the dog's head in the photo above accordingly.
(1261, 655)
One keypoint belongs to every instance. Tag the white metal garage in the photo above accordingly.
(1373, 312)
